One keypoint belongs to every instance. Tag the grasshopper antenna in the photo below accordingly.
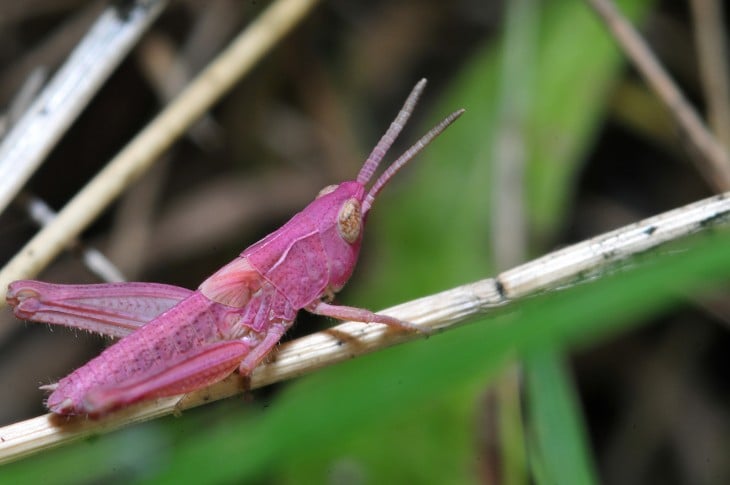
(406, 157)
(371, 164)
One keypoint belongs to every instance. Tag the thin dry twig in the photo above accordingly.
(51, 49)
(22, 99)
(36, 208)
(94, 259)
(147, 146)
(714, 162)
(711, 47)
(441, 311)
(101, 50)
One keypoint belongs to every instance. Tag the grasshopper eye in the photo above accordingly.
(327, 190)
(349, 220)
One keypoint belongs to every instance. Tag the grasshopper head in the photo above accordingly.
(343, 208)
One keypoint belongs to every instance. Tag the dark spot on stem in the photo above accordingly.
(500, 287)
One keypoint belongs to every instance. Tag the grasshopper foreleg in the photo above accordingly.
(341, 312)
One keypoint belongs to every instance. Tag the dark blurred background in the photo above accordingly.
(655, 399)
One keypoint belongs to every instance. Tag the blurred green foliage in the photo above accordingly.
(387, 414)
(409, 414)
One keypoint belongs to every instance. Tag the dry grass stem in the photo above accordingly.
(712, 57)
(69, 91)
(51, 50)
(145, 148)
(94, 260)
(437, 312)
(713, 163)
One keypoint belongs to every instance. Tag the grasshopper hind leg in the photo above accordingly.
(200, 367)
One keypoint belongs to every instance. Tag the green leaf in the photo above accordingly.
(319, 413)
(560, 443)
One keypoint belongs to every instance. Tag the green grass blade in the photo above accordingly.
(318, 413)
(560, 443)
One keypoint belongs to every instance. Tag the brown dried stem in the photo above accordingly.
(713, 162)
(711, 41)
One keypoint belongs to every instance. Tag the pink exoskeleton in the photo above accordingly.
(176, 340)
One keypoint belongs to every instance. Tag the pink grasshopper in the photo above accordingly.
(176, 340)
